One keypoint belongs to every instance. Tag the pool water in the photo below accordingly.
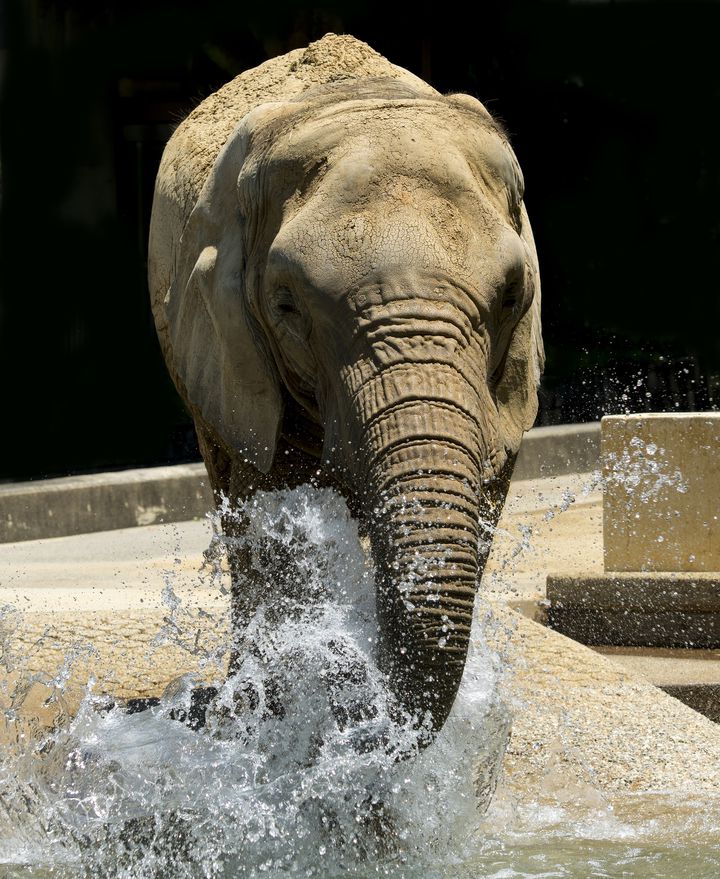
(304, 767)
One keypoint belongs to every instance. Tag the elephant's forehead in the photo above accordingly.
(362, 146)
(393, 188)
(341, 249)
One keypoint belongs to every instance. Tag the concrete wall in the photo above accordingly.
(126, 499)
(103, 502)
(559, 449)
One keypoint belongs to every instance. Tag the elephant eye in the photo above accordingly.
(511, 297)
(284, 303)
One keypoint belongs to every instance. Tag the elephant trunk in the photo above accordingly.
(428, 440)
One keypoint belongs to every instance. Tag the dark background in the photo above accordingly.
(614, 113)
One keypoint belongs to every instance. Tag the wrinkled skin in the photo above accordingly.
(355, 292)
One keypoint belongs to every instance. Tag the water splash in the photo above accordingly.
(296, 771)
(304, 766)
(643, 472)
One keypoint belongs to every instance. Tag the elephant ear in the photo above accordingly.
(516, 390)
(217, 347)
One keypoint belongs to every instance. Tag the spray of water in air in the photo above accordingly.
(303, 765)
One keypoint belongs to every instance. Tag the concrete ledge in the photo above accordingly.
(559, 449)
(690, 676)
(636, 609)
(637, 629)
(103, 502)
(106, 501)
(667, 668)
(647, 592)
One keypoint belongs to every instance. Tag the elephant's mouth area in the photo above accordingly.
(300, 428)
(299, 378)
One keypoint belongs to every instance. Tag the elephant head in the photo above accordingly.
(362, 254)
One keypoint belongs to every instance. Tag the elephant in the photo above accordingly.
(345, 288)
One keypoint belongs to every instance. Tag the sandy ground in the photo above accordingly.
(99, 604)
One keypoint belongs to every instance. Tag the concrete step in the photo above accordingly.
(703, 698)
(691, 676)
(671, 610)
(663, 626)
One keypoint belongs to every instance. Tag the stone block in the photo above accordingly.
(637, 590)
(661, 506)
